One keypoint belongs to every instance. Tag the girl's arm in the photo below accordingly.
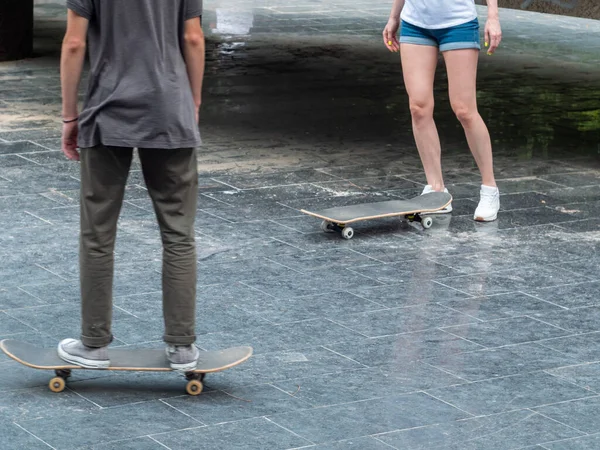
(390, 31)
(493, 32)
(397, 9)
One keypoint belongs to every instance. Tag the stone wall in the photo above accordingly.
(589, 9)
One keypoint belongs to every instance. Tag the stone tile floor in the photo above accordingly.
(465, 336)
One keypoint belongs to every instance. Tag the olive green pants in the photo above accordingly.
(172, 180)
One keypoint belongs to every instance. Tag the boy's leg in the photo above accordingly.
(104, 172)
(172, 180)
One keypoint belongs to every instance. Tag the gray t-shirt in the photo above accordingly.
(139, 93)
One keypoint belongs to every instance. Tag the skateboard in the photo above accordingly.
(337, 219)
(144, 360)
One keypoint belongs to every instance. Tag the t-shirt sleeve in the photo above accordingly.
(85, 8)
(193, 9)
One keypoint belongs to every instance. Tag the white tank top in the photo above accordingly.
(435, 14)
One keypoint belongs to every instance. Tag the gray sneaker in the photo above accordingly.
(74, 352)
(183, 357)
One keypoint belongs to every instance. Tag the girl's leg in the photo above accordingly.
(462, 78)
(418, 68)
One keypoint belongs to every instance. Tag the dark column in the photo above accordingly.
(16, 29)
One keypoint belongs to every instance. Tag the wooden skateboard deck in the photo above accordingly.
(143, 359)
(337, 219)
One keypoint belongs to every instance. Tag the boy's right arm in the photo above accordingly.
(193, 51)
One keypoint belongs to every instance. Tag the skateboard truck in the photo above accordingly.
(330, 227)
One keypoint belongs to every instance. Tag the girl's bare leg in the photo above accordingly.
(462, 78)
(418, 68)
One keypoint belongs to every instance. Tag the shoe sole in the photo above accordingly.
(79, 361)
(188, 366)
(486, 219)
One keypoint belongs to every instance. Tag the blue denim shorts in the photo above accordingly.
(457, 37)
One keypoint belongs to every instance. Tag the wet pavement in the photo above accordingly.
(463, 336)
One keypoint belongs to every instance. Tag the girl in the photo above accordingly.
(452, 27)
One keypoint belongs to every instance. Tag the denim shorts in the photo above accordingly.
(457, 37)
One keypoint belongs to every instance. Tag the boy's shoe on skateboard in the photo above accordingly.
(183, 357)
(489, 204)
(74, 352)
(448, 209)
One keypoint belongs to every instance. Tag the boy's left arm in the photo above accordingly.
(71, 68)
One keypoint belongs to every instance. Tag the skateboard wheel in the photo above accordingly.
(327, 227)
(194, 387)
(348, 233)
(427, 222)
(57, 384)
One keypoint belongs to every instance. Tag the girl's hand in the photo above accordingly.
(493, 35)
(390, 33)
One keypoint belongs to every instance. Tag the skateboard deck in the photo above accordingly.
(337, 219)
(143, 359)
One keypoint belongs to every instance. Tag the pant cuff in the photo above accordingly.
(96, 342)
(179, 340)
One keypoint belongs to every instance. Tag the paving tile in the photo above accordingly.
(510, 393)
(300, 285)
(39, 403)
(12, 435)
(361, 443)
(398, 273)
(367, 417)
(127, 388)
(17, 298)
(240, 270)
(513, 280)
(583, 267)
(582, 443)
(581, 347)
(506, 431)
(237, 404)
(281, 366)
(254, 433)
(584, 375)
(19, 147)
(51, 293)
(123, 422)
(10, 325)
(504, 306)
(364, 384)
(143, 443)
(403, 320)
(281, 310)
(570, 296)
(62, 321)
(579, 320)
(500, 362)
(411, 294)
(502, 332)
(290, 336)
(581, 414)
(403, 348)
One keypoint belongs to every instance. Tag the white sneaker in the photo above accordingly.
(448, 209)
(489, 204)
